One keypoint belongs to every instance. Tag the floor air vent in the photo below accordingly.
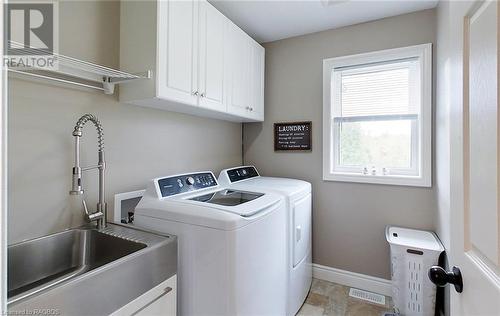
(367, 296)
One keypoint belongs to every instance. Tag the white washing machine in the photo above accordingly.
(232, 253)
(299, 227)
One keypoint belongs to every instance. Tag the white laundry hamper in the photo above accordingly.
(413, 252)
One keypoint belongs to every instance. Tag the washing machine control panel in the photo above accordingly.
(242, 173)
(185, 183)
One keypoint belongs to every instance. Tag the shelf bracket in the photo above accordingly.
(108, 82)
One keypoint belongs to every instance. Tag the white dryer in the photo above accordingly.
(232, 253)
(299, 229)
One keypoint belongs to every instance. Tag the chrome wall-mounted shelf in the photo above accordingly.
(69, 70)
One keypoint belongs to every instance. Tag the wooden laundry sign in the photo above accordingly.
(292, 136)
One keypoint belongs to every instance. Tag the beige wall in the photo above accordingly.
(348, 218)
(140, 143)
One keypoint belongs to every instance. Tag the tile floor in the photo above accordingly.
(326, 298)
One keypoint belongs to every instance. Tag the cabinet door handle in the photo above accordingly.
(203, 95)
(251, 109)
(195, 92)
(165, 292)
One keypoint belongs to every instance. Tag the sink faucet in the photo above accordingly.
(100, 214)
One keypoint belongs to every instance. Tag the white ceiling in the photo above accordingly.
(272, 20)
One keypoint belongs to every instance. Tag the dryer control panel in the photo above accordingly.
(242, 173)
(185, 183)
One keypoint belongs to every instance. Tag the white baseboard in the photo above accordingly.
(352, 279)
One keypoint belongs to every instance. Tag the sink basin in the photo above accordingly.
(49, 260)
(66, 270)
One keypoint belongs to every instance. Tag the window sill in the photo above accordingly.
(387, 180)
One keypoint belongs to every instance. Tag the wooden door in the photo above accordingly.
(475, 227)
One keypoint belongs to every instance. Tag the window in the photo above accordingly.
(377, 117)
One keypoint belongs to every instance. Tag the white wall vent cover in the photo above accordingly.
(367, 296)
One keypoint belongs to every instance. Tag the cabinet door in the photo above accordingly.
(177, 51)
(211, 57)
(238, 53)
(159, 301)
(257, 82)
(164, 305)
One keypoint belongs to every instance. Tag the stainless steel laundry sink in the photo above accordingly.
(46, 261)
(88, 271)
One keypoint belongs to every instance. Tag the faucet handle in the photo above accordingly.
(91, 216)
(85, 207)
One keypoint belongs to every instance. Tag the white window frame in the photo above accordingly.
(422, 176)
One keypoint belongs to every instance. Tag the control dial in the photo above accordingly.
(190, 180)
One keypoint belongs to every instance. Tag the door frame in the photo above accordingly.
(3, 171)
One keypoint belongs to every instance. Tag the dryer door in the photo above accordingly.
(301, 228)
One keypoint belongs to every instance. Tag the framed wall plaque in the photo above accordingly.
(293, 136)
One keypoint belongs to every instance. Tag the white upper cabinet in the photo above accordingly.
(202, 63)
(177, 51)
(257, 81)
(245, 87)
(238, 58)
(211, 58)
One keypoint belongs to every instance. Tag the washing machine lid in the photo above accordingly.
(185, 209)
(243, 203)
(284, 185)
(227, 197)
(247, 177)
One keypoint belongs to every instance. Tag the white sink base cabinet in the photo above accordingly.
(159, 301)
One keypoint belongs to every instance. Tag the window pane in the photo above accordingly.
(376, 143)
(380, 90)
